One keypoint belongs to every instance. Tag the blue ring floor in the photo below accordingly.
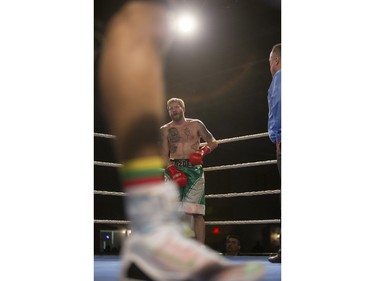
(107, 268)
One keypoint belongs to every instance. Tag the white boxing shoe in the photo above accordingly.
(167, 255)
(157, 250)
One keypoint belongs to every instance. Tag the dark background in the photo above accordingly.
(223, 75)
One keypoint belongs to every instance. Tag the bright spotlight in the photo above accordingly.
(186, 24)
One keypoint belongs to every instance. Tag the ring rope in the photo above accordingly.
(243, 165)
(207, 169)
(207, 222)
(252, 193)
(227, 195)
(244, 194)
(104, 136)
(114, 193)
(241, 138)
(107, 164)
(243, 222)
(247, 137)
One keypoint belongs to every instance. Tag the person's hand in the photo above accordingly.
(196, 158)
(177, 176)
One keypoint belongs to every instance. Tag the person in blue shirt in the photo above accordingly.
(274, 101)
(274, 114)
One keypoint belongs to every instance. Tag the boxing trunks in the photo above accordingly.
(192, 195)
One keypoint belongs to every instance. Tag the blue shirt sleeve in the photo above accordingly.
(274, 105)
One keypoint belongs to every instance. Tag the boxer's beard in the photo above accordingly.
(177, 117)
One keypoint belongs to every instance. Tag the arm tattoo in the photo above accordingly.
(206, 134)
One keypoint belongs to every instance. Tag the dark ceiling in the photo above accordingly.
(222, 73)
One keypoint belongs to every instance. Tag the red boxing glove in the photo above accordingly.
(177, 176)
(196, 158)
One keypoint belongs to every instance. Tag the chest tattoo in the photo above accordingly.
(187, 132)
(173, 138)
(173, 135)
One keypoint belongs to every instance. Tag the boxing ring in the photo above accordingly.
(106, 268)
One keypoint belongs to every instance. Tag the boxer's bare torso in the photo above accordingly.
(184, 138)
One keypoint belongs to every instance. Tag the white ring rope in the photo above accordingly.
(104, 136)
(243, 165)
(242, 194)
(228, 195)
(207, 222)
(207, 169)
(243, 222)
(208, 196)
(247, 137)
(107, 164)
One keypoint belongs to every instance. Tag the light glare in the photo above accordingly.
(186, 24)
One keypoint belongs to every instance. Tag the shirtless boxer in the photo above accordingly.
(183, 156)
(132, 91)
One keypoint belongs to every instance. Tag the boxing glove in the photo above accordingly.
(196, 158)
(177, 176)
